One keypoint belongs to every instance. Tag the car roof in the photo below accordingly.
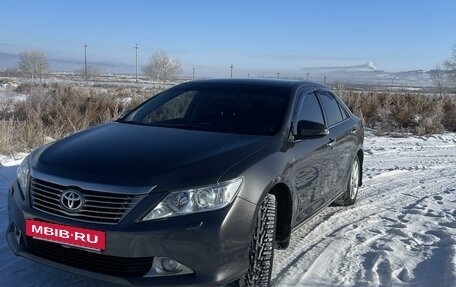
(259, 82)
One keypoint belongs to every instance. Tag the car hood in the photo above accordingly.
(126, 155)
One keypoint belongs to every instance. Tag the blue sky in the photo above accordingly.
(251, 35)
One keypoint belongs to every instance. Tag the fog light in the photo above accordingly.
(164, 266)
(169, 265)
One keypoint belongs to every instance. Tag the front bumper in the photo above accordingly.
(213, 244)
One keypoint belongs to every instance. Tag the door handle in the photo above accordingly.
(331, 143)
(353, 131)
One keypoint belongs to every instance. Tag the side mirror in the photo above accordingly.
(308, 129)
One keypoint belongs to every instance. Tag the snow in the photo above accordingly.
(7, 92)
(13, 160)
(401, 231)
(125, 101)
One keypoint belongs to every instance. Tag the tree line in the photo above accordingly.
(160, 67)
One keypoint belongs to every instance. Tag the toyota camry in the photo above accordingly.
(195, 187)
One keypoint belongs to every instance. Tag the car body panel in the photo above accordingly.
(153, 161)
(344, 152)
(311, 174)
(101, 155)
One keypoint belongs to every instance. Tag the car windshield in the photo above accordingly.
(219, 108)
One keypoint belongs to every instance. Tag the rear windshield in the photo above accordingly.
(218, 108)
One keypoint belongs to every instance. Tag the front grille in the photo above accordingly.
(112, 265)
(99, 207)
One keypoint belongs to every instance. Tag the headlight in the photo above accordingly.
(196, 200)
(23, 175)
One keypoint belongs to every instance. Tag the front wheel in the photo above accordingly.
(262, 246)
(350, 195)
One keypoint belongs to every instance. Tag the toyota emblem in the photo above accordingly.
(72, 200)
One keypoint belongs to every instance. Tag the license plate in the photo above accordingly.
(68, 235)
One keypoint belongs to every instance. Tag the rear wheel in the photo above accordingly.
(350, 195)
(262, 246)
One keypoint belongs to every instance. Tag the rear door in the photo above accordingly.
(341, 141)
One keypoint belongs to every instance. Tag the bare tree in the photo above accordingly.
(33, 64)
(439, 79)
(450, 65)
(162, 67)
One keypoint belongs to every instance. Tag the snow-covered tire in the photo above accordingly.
(262, 247)
(350, 195)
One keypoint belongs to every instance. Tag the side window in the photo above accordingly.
(344, 113)
(331, 108)
(310, 109)
(343, 109)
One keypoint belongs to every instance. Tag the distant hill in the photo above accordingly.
(8, 60)
(406, 78)
(417, 78)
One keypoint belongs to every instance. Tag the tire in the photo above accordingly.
(350, 195)
(262, 247)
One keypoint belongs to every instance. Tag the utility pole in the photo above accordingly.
(136, 48)
(193, 75)
(324, 80)
(85, 62)
(278, 75)
(231, 67)
(307, 74)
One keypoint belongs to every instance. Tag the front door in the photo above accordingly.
(313, 162)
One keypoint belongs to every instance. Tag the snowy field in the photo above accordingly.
(401, 232)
